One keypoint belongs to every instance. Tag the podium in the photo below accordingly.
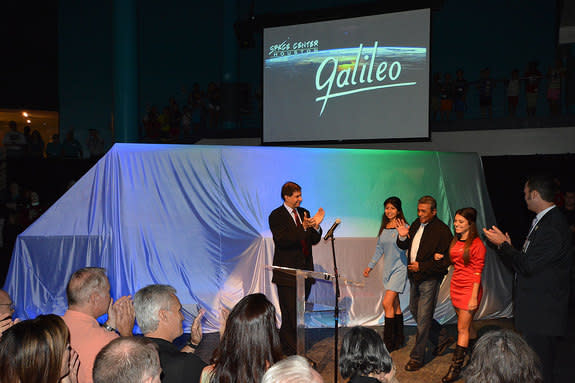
(301, 276)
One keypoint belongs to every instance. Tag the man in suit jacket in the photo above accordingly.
(425, 237)
(541, 291)
(294, 233)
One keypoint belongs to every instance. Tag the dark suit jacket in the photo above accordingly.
(287, 240)
(177, 366)
(435, 239)
(541, 295)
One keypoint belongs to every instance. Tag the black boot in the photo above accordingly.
(398, 338)
(388, 331)
(456, 365)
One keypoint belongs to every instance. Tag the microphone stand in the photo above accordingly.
(335, 311)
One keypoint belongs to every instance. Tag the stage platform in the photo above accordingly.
(320, 349)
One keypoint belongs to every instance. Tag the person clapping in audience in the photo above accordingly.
(38, 351)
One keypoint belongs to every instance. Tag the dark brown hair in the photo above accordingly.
(470, 214)
(289, 188)
(396, 202)
(32, 351)
(250, 343)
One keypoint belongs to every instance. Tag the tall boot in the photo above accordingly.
(388, 331)
(456, 365)
(398, 338)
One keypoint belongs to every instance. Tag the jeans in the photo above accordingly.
(422, 301)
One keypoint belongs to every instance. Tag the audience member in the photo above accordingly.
(159, 315)
(38, 351)
(426, 237)
(502, 356)
(128, 360)
(6, 312)
(250, 344)
(88, 293)
(95, 144)
(364, 358)
(460, 94)
(36, 145)
(293, 369)
(435, 94)
(33, 208)
(485, 88)
(446, 96)
(532, 79)
(513, 92)
(541, 269)
(14, 142)
(71, 148)
(54, 147)
(555, 76)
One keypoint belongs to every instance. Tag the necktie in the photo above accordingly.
(304, 248)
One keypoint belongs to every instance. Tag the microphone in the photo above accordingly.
(332, 229)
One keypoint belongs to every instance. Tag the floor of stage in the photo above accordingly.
(321, 349)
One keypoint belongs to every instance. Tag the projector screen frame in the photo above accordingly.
(426, 137)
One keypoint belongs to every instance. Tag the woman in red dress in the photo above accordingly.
(467, 254)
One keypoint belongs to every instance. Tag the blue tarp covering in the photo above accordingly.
(195, 217)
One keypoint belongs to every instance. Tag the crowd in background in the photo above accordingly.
(449, 95)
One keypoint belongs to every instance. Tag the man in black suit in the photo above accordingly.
(426, 237)
(541, 291)
(294, 233)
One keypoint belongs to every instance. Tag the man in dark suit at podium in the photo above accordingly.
(541, 293)
(294, 233)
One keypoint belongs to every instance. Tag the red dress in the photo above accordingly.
(464, 276)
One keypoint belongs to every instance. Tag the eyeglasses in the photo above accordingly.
(10, 305)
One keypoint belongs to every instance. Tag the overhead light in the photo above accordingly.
(28, 121)
(25, 114)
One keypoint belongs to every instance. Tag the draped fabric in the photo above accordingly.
(195, 217)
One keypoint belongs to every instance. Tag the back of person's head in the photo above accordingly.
(131, 359)
(250, 342)
(84, 282)
(363, 353)
(293, 369)
(502, 356)
(545, 185)
(33, 351)
(148, 301)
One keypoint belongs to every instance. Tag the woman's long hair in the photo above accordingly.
(470, 214)
(362, 353)
(396, 202)
(32, 351)
(250, 343)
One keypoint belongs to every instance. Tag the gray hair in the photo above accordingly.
(148, 302)
(503, 356)
(131, 359)
(293, 369)
(84, 282)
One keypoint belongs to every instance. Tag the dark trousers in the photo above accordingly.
(288, 331)
(545, 347)
(422, 301)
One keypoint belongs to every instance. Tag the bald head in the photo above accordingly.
(128, 360)
(5, 303)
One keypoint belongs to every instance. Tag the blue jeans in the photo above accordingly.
(422, 301)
